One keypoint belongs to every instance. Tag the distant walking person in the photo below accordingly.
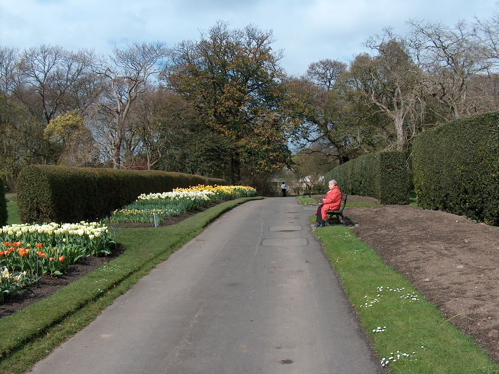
(332, 201)
(284, 189)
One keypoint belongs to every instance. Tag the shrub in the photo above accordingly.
(64, 194)
(3, 205)
(381, 175)
(456, 168)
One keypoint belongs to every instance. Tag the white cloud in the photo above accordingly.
(307, 31)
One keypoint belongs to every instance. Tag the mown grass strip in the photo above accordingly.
(145, 248)
(12, 215)
(409, 333)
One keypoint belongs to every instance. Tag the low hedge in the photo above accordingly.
(381, 175)
(64, 194)
(456, 168)
(3, 205)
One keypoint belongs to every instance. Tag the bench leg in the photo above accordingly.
(337, 215)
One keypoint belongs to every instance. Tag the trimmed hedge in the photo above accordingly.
(456, 168)
(3, 205)
(63, 194)
(381, 175)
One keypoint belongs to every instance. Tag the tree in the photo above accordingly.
(163, 121)
(311, 165)
(486, 86)
(359, 126)
(328, 114)
(126, 79)
(49, 79)
(47, 82)
(451, 58)
(488, 33)
(68, 132)
(8, 62)
(326, 72)
(10, 158)
(233, 79)
(391, 81)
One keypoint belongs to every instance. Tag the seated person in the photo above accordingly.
(332, 201)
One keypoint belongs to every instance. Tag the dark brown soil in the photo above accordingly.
(50, 284)
(452, 261)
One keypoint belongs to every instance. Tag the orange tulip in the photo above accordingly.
(41, 254)
(39, 245)
(61, 258)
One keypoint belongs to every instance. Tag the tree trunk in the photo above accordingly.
(235, 169)
(399, 128)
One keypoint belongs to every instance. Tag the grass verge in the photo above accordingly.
(28, 335)
(410, 334)
(12, 217)
(304, 200)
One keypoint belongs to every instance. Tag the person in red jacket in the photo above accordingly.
(332, 201)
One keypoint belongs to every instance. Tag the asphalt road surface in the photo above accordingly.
(252, 294)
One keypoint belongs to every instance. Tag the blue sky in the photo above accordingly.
(305, 30)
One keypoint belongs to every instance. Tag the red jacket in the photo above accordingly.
(332, 201)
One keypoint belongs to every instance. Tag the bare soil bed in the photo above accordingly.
(453, 262)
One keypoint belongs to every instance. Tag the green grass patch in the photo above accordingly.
(413, 201)
(12, 218)
(410, 334)
(355, 204)
(28, 335)
(304, 200)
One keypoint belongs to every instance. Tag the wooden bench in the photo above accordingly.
(338, 213)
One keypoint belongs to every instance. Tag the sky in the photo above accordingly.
(305, 31)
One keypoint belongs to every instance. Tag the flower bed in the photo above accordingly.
(155, 207)
(28, 251)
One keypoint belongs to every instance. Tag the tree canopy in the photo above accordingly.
(233, 79)
(223, 106)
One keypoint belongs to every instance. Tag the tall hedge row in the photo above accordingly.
(3, 205)
(381, 175)
(456, 168)
(64, 194)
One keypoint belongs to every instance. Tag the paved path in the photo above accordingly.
(251, 294)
